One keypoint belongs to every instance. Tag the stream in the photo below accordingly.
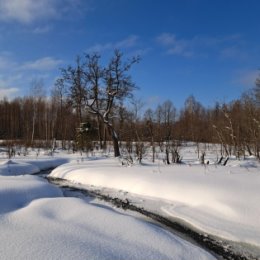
(218, 247)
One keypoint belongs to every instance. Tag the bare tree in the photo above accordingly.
(138, 128)
(95, 74)
(76, 81)
(150, 124)
(193, 120)
(117, 86)
(59, 101)
(168, 116)
(99, 90)
(37, 94)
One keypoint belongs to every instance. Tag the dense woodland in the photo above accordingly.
(92, 104)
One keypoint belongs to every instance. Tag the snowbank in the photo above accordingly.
(18, 191)
(9, 168)
(47, 163)
(37, 223)
(223, 201)
(29, 166)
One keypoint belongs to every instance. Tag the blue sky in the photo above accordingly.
(209, 49)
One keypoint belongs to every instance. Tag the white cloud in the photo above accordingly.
(175, 46)
(42, 29)
(43, 64)
(233, 52)
(100, 47)
(225, 46)
(15, 77)
(246, 78)
(6, 62)
(129, 42)
(6, 89)
(167, 39)
(180, 48)
(8, 92)
(28, 11)
(126, 43)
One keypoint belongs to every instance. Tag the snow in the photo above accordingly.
(69, 228)
(9, 167)
(28, 166)
(47, 162)
(220, 200)
(18, 191)
(37, 222)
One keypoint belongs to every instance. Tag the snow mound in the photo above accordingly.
(29, 166)
(10, 168)
(17, 191)
(69, 228)
(36, 222)
(47, 163)
(221, 200)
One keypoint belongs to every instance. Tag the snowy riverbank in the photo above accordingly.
(223, 201)
(37, 222)
(218, 200)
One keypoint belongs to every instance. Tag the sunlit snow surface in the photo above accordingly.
(220, 200)
(36, 222)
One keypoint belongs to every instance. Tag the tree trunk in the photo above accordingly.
(33, 128)
(153, 149)
(115, 144)
(99, 133)
(115, 140)
(167, 154)
(104, 145)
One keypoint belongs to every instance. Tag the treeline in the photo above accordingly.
(235, 126)
(35, 121)
(88, 104)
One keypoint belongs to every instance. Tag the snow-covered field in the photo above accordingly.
(38, 222)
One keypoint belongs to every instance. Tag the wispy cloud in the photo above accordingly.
(200, 46)
(167, 39)
(28, 11)
(233, 52)
(215, 41)
(42, 64)
(175, 46)
(42, 29)
(8, 92)
(126, 43)
(14, 75)
(246, 78)
(140, 52)
(6, 61)
(129, 42)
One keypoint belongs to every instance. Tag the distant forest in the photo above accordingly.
(90, 102)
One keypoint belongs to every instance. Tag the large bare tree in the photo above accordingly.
(100, 89)
(108, 87)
